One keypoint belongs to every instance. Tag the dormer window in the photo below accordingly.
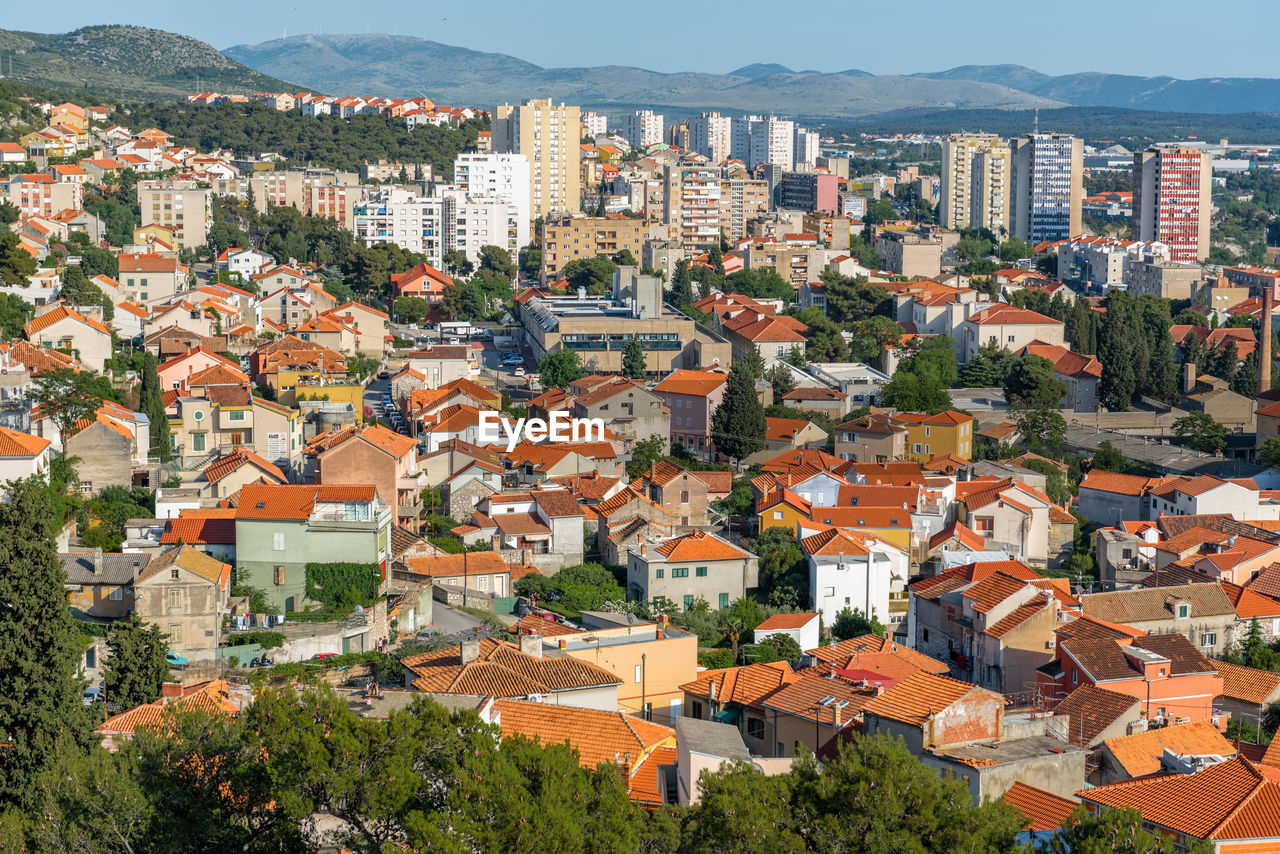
(1184, 610)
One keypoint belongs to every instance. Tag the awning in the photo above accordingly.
(728, 716)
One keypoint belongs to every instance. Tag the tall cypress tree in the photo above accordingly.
(738, 425)
(41, 713)
(682, 285)
(1162, 375)
(152, 403)
(1116, 353)
(633, 366)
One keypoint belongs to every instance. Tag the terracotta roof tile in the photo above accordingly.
(918, 698)
(699, 383)
(1016, 617)
(14, 443)
(848, 653)
(699, 545)
(209, 697)
(1148, 604)
(501, 670)
(1042, 810)
(744, 685)
(295, 501)
(1140, 753)
(1091, 710)
(219, 469)
(1248, 684)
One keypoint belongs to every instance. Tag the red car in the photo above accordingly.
(321, 656)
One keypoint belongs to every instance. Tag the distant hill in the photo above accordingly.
(379, 64)
(126, 62)
(1167, 94)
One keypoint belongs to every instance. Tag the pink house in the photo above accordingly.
(177, 371)
(692, 396)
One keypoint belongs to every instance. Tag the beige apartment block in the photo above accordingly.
(976, 182)
(181, 205)
(548, 135)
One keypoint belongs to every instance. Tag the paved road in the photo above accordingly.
(448, 621)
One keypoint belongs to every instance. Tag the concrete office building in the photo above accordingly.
(1158, 276)
(711, 135)
(642, 129)
(1171, 190)
(599, 328)
(548, 135)
(498, 176)
(909, 253)
(976, 182)
(1048, 186)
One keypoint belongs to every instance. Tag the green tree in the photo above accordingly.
(593, 274)
(77, 290)
(151, 401)
(66, 397)
(462, 301)
(782, 380)
(1269, 453)
(16, 263)
(738, 424)
(853, 623)
(762, 283)
(1109, 458)
(93, 802)
(41, 713)
(871, 335)
(645, 453)
(137, 666)
(784, 575)
(14, 313)
(456, 263)
(755, 363)
(1043, 430)
(921, 381)
(784, 646)
(1031, 382)
(559, 368)
(823, 341)
(633, 363)
(1118, 831)
(410, 309)
(682, 285)
(1199, 431)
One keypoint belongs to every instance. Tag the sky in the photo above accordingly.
(1117, 36)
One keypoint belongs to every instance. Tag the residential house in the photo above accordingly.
(213, 697)
(627, 408)
(801, 628)
(211, 530)
(179, 371)
(482, 572)
(1161, 750)
(873, 438)
(692, 397)
(677, 490)
(218, 419)
(282, 529)
(689, 567)
(1095, 715)
(789, 434)
(943, 434)
(150, 277)
(185, 593)
(100, 586)
(935, 606)
(544, 525)
(504, 670)
(1080, 374)
(772, 334)
(224, 477)
(853, 569)
(22, 455)
(372, 327)
(731, 695)
(106, 447)
(1247, 692)
(1202, 613)
(64, 328)
(1014, 517)
(1110, 498)
(422, 281)
(1009, 327)
(371, 455)
(182, 314)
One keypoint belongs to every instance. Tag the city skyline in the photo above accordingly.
(515, 29)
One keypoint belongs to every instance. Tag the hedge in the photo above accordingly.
(342, 586)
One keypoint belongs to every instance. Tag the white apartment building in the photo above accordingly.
(471, 222)
(1104, 261)
(691, 202)
(498, 176)
(977, 188)
(642, 128)
(711, 135)
(399, 216)
(805, 148)
(595, 124)
(773, 142)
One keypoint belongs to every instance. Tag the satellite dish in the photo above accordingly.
(360, 609)
(631, 619)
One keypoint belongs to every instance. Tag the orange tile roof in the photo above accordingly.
(992, 590)
(1248, 684)
(744, 685)
(260, 501)
(1042, 810)
(784, 622)
(201, 529)
(862, 517)
(802, 698)
(207, 697)
(62, 312)
(965, 536)
(919, 697)
(1140, 753)
(1114, 482)
(1005, 314)
(502, 670)
(219, 469)
(1016, 617)
(699, 545)
(17, 444)
(699, 383)
(1090, 710)
(943, 418)
(1233, 800)
(847, 654)
(645, 787)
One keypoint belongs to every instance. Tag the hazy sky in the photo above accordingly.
(1182, 38)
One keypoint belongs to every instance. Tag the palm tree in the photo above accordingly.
(734, 626)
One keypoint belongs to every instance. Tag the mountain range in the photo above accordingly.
(133, 63)
(124, 61)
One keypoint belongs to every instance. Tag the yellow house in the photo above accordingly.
(891, 524)
(294, 385)
(937, 435)
(43, 143)
(781, 508)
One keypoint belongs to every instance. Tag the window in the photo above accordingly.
(659, 573)
(279, 575)
(116, 594)
(175, 574)
(700, 572)
(86, 486)
(986, 525)
(175, 598)
(688, 602)
(1209, 639)
(277, 542)
(680, 572)
(697, 709)
(724, 600)
(1075, 677)
(197, 440)
(925, 635)
(777, 514)
(235, 415)
(175, 634)
(755, 727)
(684, 496)
(1184, 610)
(638, 673)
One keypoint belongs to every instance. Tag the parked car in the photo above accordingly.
(175, 660)
(324, 656)
(427, 635)
(384, 375)
(92, 695)
(519, 371)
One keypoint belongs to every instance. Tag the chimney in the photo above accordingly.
(836, 716)
(711, 690)
(1264, 360)
(1189, 375)
(879, 686)
(660, 634)
(531, 645)
(564, 644)
(469, 650)
(170, 690)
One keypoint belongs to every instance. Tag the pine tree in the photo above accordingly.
(152, 403)
(682, 286)
(633, 365)
(1192, 352)
(1162, 373)
(1116, 353)
(137, 666)
(1246, 379)
(755, 363)
(41, 712)
(738, 425)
